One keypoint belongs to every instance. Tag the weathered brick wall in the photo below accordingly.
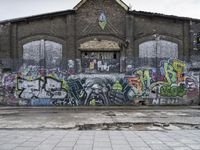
(53, 29)
(168, 29)
(55, 26)
(5, 41)
(195, 50)
(150, 25)
(1, 86)
(59, 29)
(87, 19)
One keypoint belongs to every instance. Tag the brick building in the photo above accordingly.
(102, 37)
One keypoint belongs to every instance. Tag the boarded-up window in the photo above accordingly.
(159, 49)
(41, 52)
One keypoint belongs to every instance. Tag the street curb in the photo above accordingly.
(92, 108)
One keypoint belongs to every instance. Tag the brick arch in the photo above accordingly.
(108, 39)
(166, 38)
(160, 49)
(39, 37)
(162, 37)
(99, 37)
(54, 51)
(99, 45)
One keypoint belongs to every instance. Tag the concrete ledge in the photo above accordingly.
(88, 108)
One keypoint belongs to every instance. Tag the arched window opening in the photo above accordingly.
(159, 49)
(42, 52)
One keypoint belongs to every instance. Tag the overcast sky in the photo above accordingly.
(20, 8)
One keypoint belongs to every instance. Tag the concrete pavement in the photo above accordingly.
(99, 140)
(102, 129)
(62, 118)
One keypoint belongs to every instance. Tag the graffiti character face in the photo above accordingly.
(97, 92)
(136, 84)
(192, 88)
(71, 64)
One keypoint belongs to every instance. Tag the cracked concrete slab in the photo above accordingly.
(117, 119)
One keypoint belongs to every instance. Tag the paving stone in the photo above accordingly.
(82, 147)
(63, 148)
(30, 144)
(37, 139)
(142, 148)
(2, 142)
(120, 147)
(189, 141)
(160, 147)
(8, 146)
(23, 148)
(61, 144)
(69, 139)
(181, 148)
(134, 140)
(102, 148)
(59, 141)
(50, 142)
(194, 146)
(44, 147)
(84, 138)
(173, 144)
(5, 140)
(101, 139)
(136, 144)
(17, 141)
(84, 142)
(169, 139)
(102, 144)
(119, 142)
(156, 142)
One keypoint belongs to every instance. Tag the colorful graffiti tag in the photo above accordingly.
(169, 83)
(171, 79)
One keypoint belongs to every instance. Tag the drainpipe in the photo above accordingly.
(157, 39)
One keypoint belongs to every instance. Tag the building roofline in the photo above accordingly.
(151, 14)
(120, 2)
(34, 17)
(72, 11)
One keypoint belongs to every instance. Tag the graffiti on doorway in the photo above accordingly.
(95, 62)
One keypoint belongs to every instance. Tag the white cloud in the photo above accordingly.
(186, 8)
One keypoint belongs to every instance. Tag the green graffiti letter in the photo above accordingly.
(170, 75)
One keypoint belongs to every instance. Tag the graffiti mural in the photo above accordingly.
(170, 82)
(8, 88)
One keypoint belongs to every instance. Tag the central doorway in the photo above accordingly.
(100, 56)
(100, 61)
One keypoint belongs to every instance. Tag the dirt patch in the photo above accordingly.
(136, 126)
(109, 113)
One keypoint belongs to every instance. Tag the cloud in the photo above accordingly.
(187, 8)
(20, 8)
